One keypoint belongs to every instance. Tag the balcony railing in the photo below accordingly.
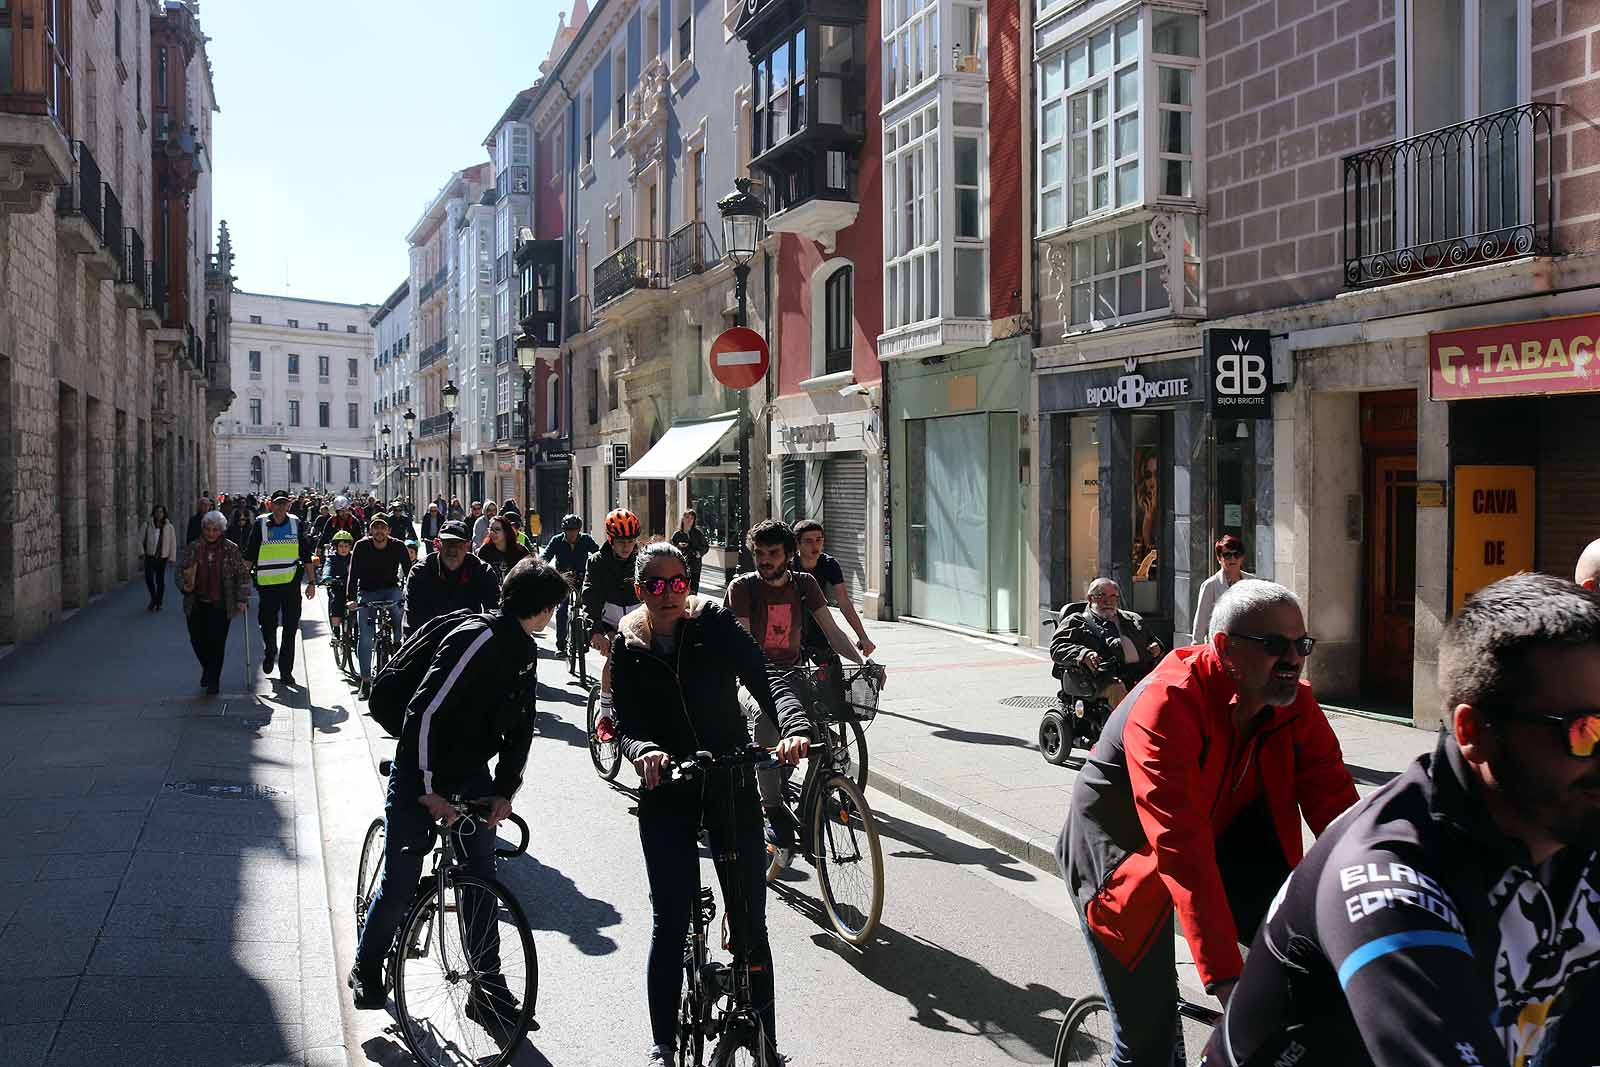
(81, 196)
(111, 223)
(1476, 192)
(577, 314)
(690, 251)
(433, 425)
(431, 354)
(639, 264)
(134, 270)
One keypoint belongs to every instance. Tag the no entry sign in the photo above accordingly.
(739, 357)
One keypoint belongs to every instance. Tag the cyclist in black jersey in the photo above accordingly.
(1452, 919)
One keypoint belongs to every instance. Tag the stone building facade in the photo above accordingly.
(302, 370)
(393, 368)
(107, 385)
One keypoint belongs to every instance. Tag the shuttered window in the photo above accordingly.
(844, 514)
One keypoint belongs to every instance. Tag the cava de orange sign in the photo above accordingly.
(1494, 512)
(1555, 355)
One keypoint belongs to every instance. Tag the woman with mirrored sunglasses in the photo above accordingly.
(674, 670)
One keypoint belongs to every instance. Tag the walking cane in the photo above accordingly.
(248, 674)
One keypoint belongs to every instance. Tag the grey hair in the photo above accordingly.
(1098, 582)
(214, 518)
(1245, 598)
(652, 552)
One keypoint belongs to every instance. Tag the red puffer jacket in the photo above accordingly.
(1148, 806)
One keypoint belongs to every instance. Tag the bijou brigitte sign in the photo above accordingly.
(1517, 359)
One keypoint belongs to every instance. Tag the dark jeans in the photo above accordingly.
(155, 578)
(410, 838)
(669, 837)
(694, 574)
(561, 621)
(208, 634)
(280, 603)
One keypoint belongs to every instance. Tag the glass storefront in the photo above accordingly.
(1234, 480)
(965, 565)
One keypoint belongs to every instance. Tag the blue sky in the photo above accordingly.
(340, 121)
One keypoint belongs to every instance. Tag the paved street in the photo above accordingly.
(167, 863)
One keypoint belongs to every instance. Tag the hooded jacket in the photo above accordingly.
(432, 591)
(1141, 831)
(607, 580)
(475, 702)
(689, 703)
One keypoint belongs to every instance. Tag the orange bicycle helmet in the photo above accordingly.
(622, 524)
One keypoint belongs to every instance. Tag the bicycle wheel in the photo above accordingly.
(1085, 1034)
(691, 1033)
(338, 648)
(465, 997)
(849, 859)
(371, 869)
(606, 755)
(738, 1047)
(848, 744)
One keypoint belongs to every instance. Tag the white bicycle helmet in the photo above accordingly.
(340, 503)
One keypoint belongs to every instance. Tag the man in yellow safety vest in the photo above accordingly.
(279, 551)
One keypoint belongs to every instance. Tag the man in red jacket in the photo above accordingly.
(1190, 803)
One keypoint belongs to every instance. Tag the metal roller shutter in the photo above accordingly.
(844, 513)
(1568, 484)
(794, 490)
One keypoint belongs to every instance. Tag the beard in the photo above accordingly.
(1570, 814)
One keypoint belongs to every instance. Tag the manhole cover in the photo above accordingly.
(1029, 702)
(210, 787)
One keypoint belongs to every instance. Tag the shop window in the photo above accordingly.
(1235, 482)
(1151, 476)
(713, 499)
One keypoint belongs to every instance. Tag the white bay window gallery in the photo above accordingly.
(1119, 172)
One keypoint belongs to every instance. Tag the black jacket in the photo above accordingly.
(607, 580)
(691, 704)
(1081, 632)
(474, 703)
(432, 591)
(571, 559)
(1415, 932)
(692, 543)
(401, 527)
(430, 525)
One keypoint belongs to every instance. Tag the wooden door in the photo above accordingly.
(1391, 567)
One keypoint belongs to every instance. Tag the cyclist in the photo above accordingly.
(569, 551)
(279, 551)
(336, 572)
(449, 580)
(1453, 917)
(475, 702)
(608, 594)
(811, 559)
(377, 568)
(686, 652)
(341, 519)
(411, 548)
(1190, 804)
(773, 604)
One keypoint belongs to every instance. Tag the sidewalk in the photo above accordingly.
(162, 898)
(951, 740)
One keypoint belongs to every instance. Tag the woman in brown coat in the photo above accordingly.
(215, 581)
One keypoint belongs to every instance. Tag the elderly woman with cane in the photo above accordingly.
(215, 582)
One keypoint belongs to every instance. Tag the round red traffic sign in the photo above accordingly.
(739, 357)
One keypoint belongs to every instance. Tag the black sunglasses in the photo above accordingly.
(656, 586)
(1230, 555)
(1277, 644)
(1580, 728)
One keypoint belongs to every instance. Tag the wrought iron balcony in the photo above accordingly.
(691, 251)
(111, 223)
(1477, 192)
(433, 425)
(80, 197)
(431, 354)
(639, 264)
(135, 270)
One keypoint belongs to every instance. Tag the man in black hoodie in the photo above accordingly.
(474, 703)
(449, 580)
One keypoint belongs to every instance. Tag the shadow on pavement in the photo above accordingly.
(564, 696)
(1368, 776)
(390, 1051)
(970, 737)
(949, 992)
(559, 906)
(933, 844)
(558, 729)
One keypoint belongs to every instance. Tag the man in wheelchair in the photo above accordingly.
(1100, 651)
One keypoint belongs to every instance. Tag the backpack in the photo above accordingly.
(398, 681)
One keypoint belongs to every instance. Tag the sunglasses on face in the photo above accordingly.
(656, 586)
(1230, 555)
(1581, 729)
(1277, 644)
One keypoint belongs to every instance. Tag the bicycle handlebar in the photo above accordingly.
(700, 762)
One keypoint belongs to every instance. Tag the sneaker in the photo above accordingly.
(492, 1006)
(286, 676)
(368, 989)
(605, 729)
(658, 1055)
(366, 690)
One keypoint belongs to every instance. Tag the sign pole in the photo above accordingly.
(741, 274)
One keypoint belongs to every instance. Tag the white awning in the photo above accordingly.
(681, 449)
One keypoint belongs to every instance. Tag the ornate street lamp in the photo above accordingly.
(323, 470)
(744, 227)
(451, 397)
(384, 434)
(527, 359)
(410, 421)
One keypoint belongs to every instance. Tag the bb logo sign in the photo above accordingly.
(1241, 373)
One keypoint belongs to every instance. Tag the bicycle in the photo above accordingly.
(1085, 1034)
(432, 968)
(343, 636)
(717, 1003)
(839, 837)
(385, 641)
(605, 753)
(846, 725)
(577, 640)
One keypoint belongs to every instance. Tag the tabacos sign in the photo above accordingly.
(1134, 390)
(1516, 359)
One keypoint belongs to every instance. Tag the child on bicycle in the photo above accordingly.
(336, 574)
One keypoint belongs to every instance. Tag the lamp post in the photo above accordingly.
(744, 226)
(384, 433)
(451, 397)
(323, 468)
(527, 359)
(410, 420)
